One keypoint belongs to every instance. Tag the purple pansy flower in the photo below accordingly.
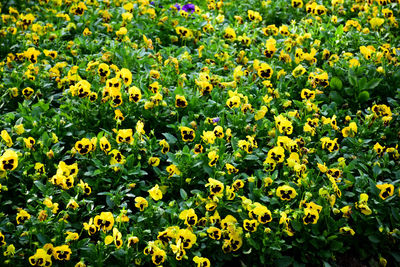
(189, 8)
(178, 6)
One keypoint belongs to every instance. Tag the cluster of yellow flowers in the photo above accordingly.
(256, 116)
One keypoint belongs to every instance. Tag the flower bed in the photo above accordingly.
(208, 133)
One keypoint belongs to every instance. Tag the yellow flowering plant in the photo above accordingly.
(207, 133)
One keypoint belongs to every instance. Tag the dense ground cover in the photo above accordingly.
(206, 133)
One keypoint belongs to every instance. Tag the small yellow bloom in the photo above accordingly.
(7, 138)
(19, 129)
(10, 251)
(376, 22)
(387, 190)
(29, 142)
(322, 168)
(155, 193)
(71, 236)
(108, 240)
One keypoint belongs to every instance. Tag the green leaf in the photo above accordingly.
(373, 83)
(363, 96)
(376, 170)
(374, 239)
(186, 149)
(247, 252)
(332, 237)
(336, 97)
(109, 202)
(254, 243)
(208, 170)
(396, 256)
(352, 78)
(284, 261)
(339, 31)
(183, 193)
(170, 138)
(43, 238)
(178, 91)
(362, 84)
(97, 172)
(395, 213)
(40, 185)
(349, 194)
(348, 90)
(336, 245)
(97, 163)
(298, 264)
(251, 157)
(336, 83)
(296, 225)
(195, 191)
